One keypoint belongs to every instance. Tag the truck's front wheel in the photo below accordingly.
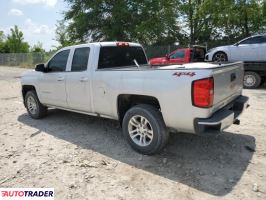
(34, 107)
(144, 129)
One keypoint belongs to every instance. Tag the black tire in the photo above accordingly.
(220, 57)
(252, 80)
(40, 110)
(156, 124)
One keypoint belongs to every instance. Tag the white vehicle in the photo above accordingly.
(114, 80)
(249, 49)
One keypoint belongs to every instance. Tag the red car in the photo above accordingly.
(181, 56)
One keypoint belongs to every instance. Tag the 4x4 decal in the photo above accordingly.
(178, 74)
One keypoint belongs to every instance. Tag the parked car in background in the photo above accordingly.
(181, 56)
(249, 49)
(252, 51)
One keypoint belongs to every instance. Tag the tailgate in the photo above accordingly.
(228, 83)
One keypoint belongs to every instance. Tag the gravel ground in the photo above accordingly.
(85, 157)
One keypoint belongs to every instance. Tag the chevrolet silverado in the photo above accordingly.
(114, 80)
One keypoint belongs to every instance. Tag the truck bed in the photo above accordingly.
(227, 80)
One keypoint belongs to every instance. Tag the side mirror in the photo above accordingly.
(167, 56)
(40, 68)
(236, 44)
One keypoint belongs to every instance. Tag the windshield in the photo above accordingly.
(124, 56)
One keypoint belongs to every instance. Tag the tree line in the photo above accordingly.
(162, 22)
(14, 43)
(151, 22)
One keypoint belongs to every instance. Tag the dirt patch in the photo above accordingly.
(85, 157)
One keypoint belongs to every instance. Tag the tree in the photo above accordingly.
(240, 19)
(147, 22)
(224, 21)
(163, 22)
(37, 48)
(195, 22)
(251, 16)
(3, 45)
(2, 41)
(38, 55)
(2, 36)
(62, 36)
(15, 41)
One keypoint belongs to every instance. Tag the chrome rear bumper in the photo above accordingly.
(223, 118)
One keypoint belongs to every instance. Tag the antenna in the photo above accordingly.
(136, 63)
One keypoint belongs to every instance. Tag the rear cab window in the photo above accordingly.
(121, 56)
(198, 54)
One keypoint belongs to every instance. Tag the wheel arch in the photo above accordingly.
(127, 101)
(221, 51)
(26, 88)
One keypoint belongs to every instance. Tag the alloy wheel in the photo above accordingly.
(140, 130)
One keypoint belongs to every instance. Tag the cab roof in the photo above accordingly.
(115, 43)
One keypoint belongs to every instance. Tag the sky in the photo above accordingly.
(35, 18)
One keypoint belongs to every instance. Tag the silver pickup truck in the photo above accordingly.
(114, 80)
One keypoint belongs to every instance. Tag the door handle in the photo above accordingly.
(84, 79)
(60, 78)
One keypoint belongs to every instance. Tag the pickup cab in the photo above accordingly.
(181, 56)
(114, 80)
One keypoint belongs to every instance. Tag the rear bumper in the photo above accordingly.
(223, 118)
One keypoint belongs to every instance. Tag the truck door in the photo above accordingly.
(78, 81)
(52, 82)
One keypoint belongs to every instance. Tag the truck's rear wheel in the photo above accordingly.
(252, 80)
(144, 129)
(34, 107)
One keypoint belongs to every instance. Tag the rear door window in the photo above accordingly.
(80, 59)
(124, 56)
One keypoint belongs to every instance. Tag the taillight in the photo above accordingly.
(122, 44)
(203, 92)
